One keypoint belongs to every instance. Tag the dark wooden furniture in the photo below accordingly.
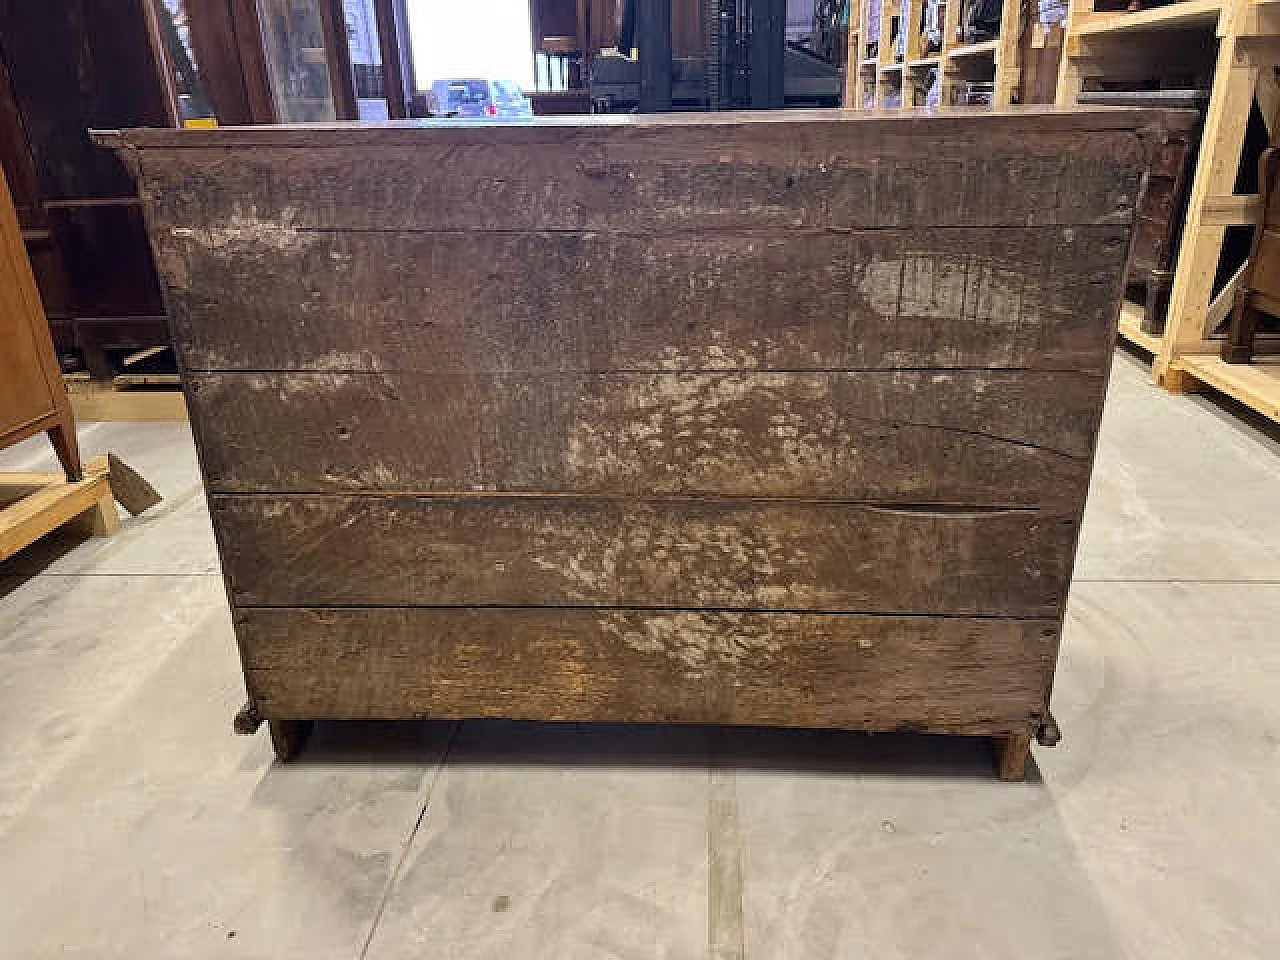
(66, 67)
(1162, 210)
(299, 61)
(1259, 293)
(33, 398)
(751, 419)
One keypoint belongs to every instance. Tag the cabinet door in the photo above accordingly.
(27, 365)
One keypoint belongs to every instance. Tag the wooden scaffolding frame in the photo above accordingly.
(1099, 44)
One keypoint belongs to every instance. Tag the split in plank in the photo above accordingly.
(579, 551)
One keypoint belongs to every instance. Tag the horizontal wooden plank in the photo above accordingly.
(978, 676)
(1041, 298)
(571, 551)
(655, 179)
(962, 437)
(724, 126)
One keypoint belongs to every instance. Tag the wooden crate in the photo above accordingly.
(750, 419)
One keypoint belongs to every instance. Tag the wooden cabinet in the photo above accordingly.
(32, 395)
(66, 68)
(69, 67)
(287, 61)
(719, 419)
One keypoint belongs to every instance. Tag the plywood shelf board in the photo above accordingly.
(1256, 385)
(986, 48)
(1175, 16)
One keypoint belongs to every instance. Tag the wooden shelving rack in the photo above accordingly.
(887, 82)
(1247, 36)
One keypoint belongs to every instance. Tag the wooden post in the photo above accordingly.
(852, 57)
(338, 54)
(1234, 81)
(397, 63)
(1008, 67)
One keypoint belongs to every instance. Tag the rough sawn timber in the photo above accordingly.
(783, 418)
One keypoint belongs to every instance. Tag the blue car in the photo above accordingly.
(478, 99)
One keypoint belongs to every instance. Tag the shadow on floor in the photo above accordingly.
(518, 742)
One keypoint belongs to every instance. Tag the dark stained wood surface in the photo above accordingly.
(862, 672)
(74, 65)
(987, 438)
(767, 419)
(574, 551)
(645, 179)
(484, 301)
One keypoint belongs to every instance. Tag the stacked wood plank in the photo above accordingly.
(723, 419)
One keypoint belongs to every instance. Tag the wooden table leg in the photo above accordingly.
(63, 438)
(1012, 752)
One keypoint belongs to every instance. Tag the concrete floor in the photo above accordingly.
(133, 824)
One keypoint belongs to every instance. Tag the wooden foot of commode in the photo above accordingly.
(289, 737)
(1012, 752)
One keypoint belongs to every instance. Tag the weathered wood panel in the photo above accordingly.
(859, 672)
(979, 438)
(573, 551)
(779, 418)
(807, 173)
(439, 302)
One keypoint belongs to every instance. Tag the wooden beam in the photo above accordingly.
(1223, 139)
(160, 56)
(251, 54)
(1008, 67)
(337, 49)
(1231, 210)
(26, 521)
(397, 68)
(1223, 302)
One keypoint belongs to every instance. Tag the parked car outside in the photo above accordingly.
(478, 99)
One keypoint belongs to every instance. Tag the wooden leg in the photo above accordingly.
(95, 358)
(1245, 319)
(247, 720)
(1177, 380)
(1159, 284)
(288, 737)
(63, 438)
(1012, 752)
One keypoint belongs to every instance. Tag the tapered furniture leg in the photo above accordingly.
(63, 438)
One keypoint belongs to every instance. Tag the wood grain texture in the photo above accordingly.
(962, 438)
(653, 179)
(978, 676)
(441, 302)
(780, 418)
(572, 551)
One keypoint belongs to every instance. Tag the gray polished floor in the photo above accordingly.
(134, 825)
